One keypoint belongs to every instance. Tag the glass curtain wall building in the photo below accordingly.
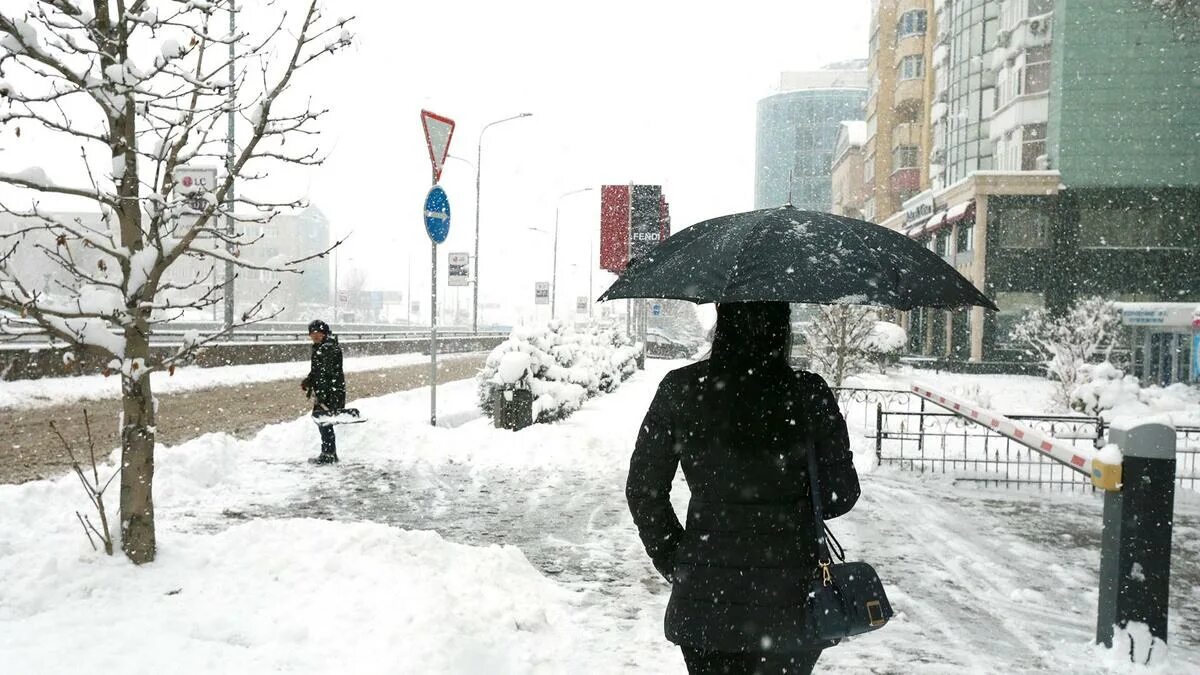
(965, 89)
(796, 133)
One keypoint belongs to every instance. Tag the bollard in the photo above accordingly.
(1135, 554)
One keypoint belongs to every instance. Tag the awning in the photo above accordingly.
(943, 218)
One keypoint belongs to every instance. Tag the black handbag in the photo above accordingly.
(844, 598)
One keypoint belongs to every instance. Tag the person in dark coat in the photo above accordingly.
(741, 424)
(326, 383)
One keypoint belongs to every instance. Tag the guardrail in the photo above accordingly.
(26, 362)
(912, 435)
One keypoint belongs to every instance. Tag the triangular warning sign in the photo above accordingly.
(438, 131)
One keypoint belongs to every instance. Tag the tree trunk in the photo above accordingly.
(137, 453)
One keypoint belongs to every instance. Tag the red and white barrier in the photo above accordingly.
(1075, 458)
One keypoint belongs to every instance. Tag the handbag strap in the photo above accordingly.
(814, 490)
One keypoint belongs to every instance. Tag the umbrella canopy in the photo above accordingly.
(788, 255)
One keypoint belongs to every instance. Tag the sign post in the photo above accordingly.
(437, 226)
(436, 212)
(541, 293)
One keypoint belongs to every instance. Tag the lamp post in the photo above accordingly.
(478, 171)
(554, 271)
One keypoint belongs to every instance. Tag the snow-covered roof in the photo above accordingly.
(856, 131)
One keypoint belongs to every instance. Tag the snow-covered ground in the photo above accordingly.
(51, 391)
(466, 549)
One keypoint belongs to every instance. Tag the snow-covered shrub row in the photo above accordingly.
(1108, 392)
(561, 366)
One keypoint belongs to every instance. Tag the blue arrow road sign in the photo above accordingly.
(437, 214)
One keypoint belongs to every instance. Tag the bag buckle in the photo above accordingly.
(875, 614)
(826, 576)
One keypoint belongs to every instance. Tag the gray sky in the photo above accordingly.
(621, 91)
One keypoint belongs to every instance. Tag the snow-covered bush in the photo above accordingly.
(562, 367)
(1106, 391)
(884, 344)
(1065, 344)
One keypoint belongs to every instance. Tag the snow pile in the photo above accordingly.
(291, 595)
(561, 366)
(1108, 392)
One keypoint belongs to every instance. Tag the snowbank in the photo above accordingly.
(1108, 392)
(52, 391)
(286, 595)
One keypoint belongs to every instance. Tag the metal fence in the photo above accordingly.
(909, 435)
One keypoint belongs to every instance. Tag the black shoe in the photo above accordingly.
(323, 458)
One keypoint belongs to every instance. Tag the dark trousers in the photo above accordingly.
(749, 663)
(328, 440)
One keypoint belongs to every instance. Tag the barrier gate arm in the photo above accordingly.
(1104, 475)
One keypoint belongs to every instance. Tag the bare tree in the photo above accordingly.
(148, 84)
(1067, 343)
(835, 341)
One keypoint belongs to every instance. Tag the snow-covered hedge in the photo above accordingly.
(562, 367)
(1109, 393)
(884, 344)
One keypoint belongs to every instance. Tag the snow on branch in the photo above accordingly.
(149, 86)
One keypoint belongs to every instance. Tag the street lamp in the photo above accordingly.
(478, 170)
(554, 272)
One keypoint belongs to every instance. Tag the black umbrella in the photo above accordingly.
(784, 254)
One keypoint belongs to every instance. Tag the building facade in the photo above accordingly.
(795, 136)
(286, 237)
(897, 115)
(1067, 166)
(849, 191)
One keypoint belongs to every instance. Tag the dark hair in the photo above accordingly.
(318, 326)
(749, 393)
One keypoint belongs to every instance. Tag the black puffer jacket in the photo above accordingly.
(325, 377)
(740, 568)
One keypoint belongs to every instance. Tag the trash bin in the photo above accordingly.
(512, 409)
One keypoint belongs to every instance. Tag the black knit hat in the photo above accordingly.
(318, 326)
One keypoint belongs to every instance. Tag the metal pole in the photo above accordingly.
(554, 268)
(229, 150)
(433, 336)
(478, 172)
(408, 297)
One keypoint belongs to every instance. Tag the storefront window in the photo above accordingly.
(1023, 228)
(1110, 226)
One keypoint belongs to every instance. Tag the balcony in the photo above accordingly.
(908, 133)
(910, 45)
(1031, 109)
(912, 90)
(906, 180)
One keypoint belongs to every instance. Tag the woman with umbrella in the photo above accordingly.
(743, 424)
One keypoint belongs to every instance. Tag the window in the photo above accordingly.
(1023, 227)
(1112, 225)
(912, 67)
(911, 23)
(1033, 145)
(905, 157)
(943, 243)
(1035, 77)
(966, 236)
